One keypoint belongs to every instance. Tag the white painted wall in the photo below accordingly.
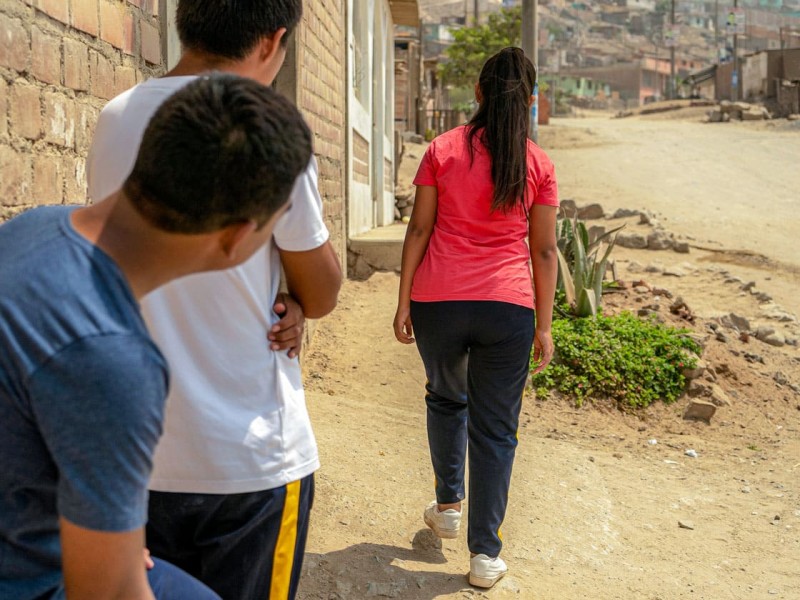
(370, 206)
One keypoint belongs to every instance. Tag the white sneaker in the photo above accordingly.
(484, 572)
(445, 524)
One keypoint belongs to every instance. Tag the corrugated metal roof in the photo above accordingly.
(405, 12)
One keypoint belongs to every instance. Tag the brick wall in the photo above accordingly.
(321, 95)
(60, 62)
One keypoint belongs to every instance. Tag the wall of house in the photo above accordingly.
(623, 78)
(60, 61)
(370, 126)
(321, 75)
(754, 77)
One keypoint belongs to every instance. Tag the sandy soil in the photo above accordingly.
(595, 507)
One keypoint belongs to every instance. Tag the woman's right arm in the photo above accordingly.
(418, 235)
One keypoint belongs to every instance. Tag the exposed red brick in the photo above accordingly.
(76, 65)
(15, 184)
(48, 180)
(129, 33)
(151, 43)
(101, 76)
(111, 27)
(46, 59)
(84, 16)
(58, 9)
(124, 79)
(25, 114)
(59, 119)
(15, 44)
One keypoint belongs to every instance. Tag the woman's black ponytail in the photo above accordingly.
(501, 123)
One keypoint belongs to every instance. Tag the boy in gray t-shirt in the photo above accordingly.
(82, 385)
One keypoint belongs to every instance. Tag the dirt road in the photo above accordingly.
(595, 507)
(730, 185)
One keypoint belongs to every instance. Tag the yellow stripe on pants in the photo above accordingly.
(283, 559)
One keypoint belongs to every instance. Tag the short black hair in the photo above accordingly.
(232, 28)
(222, 150)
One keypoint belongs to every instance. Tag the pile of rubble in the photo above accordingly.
(738, 111)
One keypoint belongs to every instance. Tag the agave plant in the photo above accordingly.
(580, 271)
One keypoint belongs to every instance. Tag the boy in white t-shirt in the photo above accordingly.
(232, 484)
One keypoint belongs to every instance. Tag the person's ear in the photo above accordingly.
(271, 45)
(478, 93)
(530, 100)
(231, 238)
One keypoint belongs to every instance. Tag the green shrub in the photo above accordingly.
(622, 357)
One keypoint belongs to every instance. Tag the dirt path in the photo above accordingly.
(733, 185)
(595, 507)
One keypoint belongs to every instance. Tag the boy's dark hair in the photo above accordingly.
(222, 150)
(501, 123)
(231, 28)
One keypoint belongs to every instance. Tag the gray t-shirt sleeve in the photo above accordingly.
(99, 407)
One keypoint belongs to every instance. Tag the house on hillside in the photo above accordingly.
(771, 76)
(639, 81)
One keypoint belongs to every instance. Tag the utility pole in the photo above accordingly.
(530, 45)
(671, 52)
(716, 31)
(735, 81)
(475, 10)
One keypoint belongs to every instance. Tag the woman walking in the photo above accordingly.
(483, 190)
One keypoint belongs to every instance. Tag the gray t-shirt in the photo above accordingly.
(82, 389)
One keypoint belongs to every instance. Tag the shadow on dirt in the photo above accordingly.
(379, 570)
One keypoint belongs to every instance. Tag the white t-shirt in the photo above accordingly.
(236, 419)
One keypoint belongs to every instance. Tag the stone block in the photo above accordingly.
(124, 79)
(25, 111)
(591, 211)
(15, 184)
(101, 76)
(719, 397)
(76, 65)
(74, 170)
(59, 119)
(697, 371)
(15, 44)
(86, 117)
(46, 61)
(681, 247)
(48, 179)
(658, 240)
(632, 240)
(700, 410)
(568, 208)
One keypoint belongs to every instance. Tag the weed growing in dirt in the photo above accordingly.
(632, 360)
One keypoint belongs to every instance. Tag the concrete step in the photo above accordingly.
(378, 249)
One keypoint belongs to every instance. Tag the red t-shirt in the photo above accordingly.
(475, 253)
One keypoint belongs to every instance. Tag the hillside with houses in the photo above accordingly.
(618, 53)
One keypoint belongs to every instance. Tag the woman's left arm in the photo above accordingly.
(544, 260)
